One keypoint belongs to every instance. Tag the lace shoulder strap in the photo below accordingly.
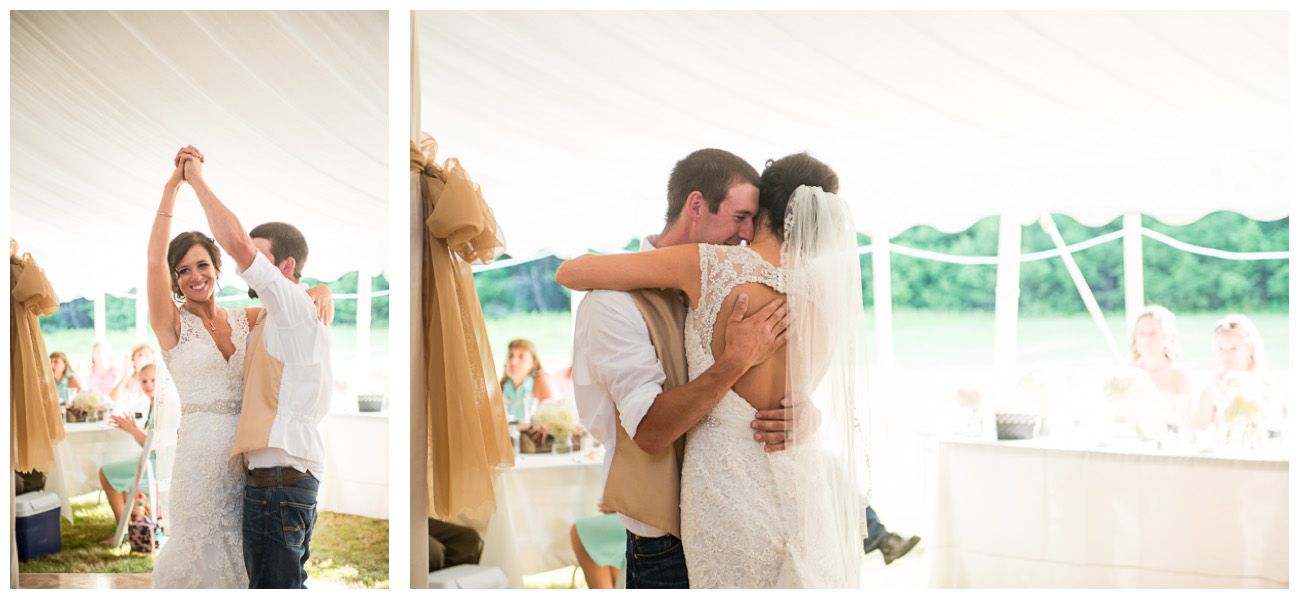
(238, 318)
(191, 326)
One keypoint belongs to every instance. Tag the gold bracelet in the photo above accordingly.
(164, 214)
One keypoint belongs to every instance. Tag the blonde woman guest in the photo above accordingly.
(524, 384)
(128, 393)
(1155, 350)
(103, 374)
(1237, 347)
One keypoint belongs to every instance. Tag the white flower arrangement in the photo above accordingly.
(560, 419)
(1240, 396)
(88, 400)
(1129, 387)
(968, 399)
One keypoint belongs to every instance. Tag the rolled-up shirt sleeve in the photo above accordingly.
(288, 307)
(620, 359)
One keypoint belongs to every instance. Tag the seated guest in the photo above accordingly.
(600, 542)
(103, 373)
(127, 393)
(1237, 347)
(524, 384)
(64, 378)
(116, 478)
(1155, 350)
(451, 545)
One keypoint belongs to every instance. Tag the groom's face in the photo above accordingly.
(734, 220)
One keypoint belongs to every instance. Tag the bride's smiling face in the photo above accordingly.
(195, 274)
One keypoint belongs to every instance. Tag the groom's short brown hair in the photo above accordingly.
(712, 173)
(286, 241)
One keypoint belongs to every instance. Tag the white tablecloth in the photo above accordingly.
(1027, 515)
(356, 464)
(537, 501)
(78, 458)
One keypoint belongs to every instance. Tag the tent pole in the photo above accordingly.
(101, 318)
(419, 425)
(1006, 307)
(883, 306)
(363, 322)
(1089, 300)
(1134, 290)
(141, 314)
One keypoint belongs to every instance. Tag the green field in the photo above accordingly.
(947, 339)
(77, 343)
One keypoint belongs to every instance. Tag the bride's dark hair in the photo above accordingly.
(781, 178)
(179, 246)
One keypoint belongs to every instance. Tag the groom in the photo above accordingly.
(629, 371)
(287, 387)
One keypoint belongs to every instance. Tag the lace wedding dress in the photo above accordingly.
(204, 547)
(742, 508)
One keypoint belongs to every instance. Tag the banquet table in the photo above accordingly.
(78, 458)
(355, 481)
(537, 501)
(1034, 514)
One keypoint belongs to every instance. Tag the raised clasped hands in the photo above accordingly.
(189, 166)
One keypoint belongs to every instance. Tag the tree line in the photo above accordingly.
(1183, 281)
(78, 313)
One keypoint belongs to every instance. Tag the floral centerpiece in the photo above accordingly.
(1127, 393)
(1239, 396)
(560, 420)
(88, 403)
(969, 400)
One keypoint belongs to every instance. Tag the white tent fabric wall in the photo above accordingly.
(572, 121)
(290, 109)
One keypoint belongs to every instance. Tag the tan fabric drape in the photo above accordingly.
(34, 425)
(468, 435)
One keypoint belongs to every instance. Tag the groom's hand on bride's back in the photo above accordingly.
(774, 427)
(752, 340)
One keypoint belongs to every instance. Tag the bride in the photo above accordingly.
(752, 518)
(203, 346)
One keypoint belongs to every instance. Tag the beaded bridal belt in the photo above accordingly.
(220, 407)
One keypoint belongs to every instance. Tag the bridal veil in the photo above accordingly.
(827, 379)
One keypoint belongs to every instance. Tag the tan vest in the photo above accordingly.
(262, 376)
(647, 487)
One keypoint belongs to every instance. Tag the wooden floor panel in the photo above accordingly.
(85, 581)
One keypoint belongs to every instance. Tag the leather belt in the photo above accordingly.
(274, 476)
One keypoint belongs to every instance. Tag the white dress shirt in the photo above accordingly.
(294, 336)
(615, 365)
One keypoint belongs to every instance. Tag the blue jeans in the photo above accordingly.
(278, 522)
(875, 529)
(655, 563)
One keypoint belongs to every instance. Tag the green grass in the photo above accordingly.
(345, 549)
(350, 550)
(81, 552)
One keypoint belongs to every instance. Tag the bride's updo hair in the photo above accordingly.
(179, 246)
(781, 178)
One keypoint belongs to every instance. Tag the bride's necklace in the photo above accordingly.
(765, 243)
(212, 325)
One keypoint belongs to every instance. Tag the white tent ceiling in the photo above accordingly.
(572, 121)
(290, 109)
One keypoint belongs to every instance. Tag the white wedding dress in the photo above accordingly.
(742, 523)
(204, 547)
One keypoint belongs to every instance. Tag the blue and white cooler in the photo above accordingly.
(37, 529)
